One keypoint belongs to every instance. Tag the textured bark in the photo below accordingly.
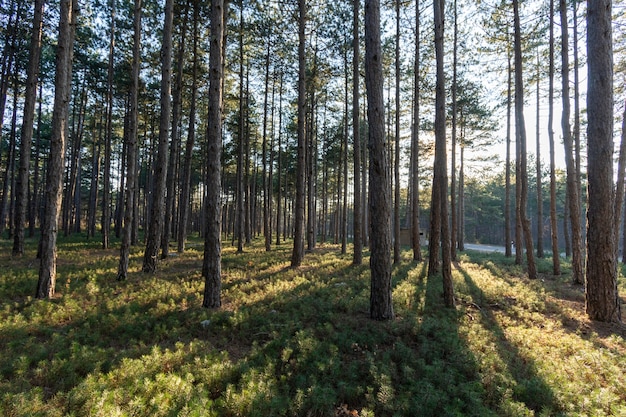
(28, 118)
(538, 167)
(573, 189)
(298, 239)
(520, 135)
(212, 263)
(131, 153)
(415, 145)
(453, 207)
(172, 168)
(554, 235)
(157, 209)
(185, 193)
(357, 257)
(381, 307)
(602, 298)
(62, 82)
(267, 196)
(106, 180)
(439, 212)
(396, 165)
(507, 187)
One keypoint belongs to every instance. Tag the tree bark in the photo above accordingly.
(131, 152)
(381, 306)
(440, 228)
(602, 298)
(63, 78)
(554, 230)
(185, 194)
(212, 262)
(172, 169)
(357, 257)
(415, 145)
(520, 135)
(396, 165)
(157, 209)
(28, 118)
(573, 189)
(298, 239)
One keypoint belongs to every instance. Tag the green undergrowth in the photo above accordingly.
(298, 342)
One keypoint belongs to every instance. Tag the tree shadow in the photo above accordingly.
(528, 387)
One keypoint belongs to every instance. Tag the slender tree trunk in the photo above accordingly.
(554, 230)
(212, 263)
(573, 189)
(63, 78)
(172, 169)
(396, 165)
(357, 257)
(239, 224)
(453, 208)
(602, 297)
(415, 145)
(106, 181)
(507, 187)
(185, 195)
(34, 203)
(439, 211)
(381, 306)
(131, 154)
(520, 135)
(279, 172)
(157, 209)
(298, 242)
(28, 118)
(267, 196)
(539, 173)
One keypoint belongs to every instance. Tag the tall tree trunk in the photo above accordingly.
(9, 174)
(172, 169)
(239, 224)
(26, 137)
(357, 257)
(267, 196)
(440, 230)
(381, 306)
(157, 209)
(279, 173)
(602, 297)
(520, 135)
(131, 153)
(396, 165)
(34, 202)
(185, 193)
(298, 238)
(539, 173)
(106, 181)
(573, 189)
(507, 187)
(415, 145)
(554, 230)
(62, 82)
(212, 262)
(453, 208)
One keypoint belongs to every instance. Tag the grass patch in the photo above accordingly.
(298, 342)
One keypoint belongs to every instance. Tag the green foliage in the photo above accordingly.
(291, 342)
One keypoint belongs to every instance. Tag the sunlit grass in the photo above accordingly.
(298, 341)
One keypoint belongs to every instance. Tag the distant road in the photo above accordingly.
(487, 248)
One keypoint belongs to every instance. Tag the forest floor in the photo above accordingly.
(298, 342)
